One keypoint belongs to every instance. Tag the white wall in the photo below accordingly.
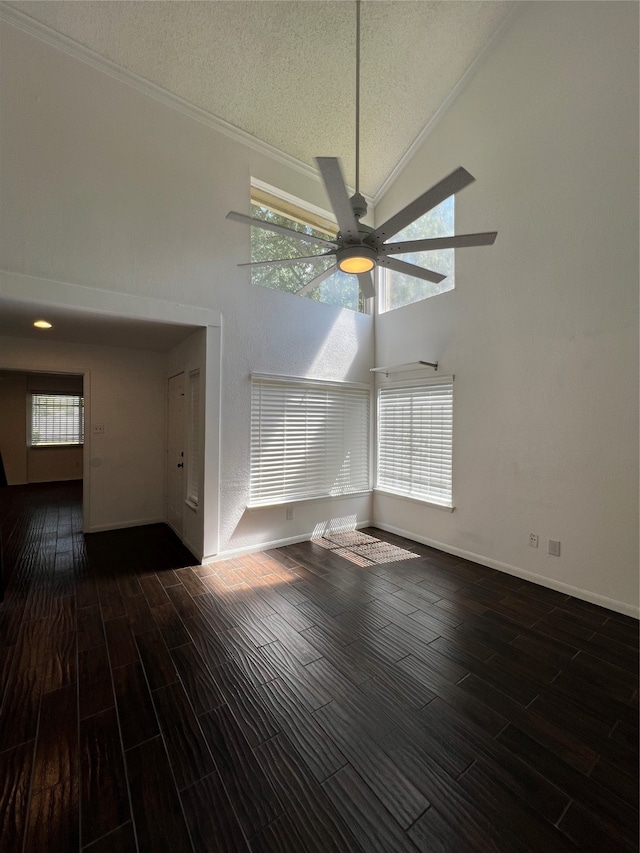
(542, 329)
(125, 391)
(105, 187)
(53, 464)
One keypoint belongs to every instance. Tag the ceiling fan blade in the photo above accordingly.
(453, 183)
(316, 281)
(366, 284)
(432, 243)
(337, 192)
(411, 269)
(279, 229)
(287, 261)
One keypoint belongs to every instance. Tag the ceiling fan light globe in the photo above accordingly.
(356, 265)
(356, 259)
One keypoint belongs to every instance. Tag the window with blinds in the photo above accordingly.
(415, 428)
(56, 419)
(308, 440)
(193, 443)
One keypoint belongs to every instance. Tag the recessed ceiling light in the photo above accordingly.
(42, 324)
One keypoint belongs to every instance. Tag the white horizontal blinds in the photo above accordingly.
(193, 445)
(307, 440)
(56, 419)
(415, 427)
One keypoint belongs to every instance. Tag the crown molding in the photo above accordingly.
(67, 45)
(445, 106)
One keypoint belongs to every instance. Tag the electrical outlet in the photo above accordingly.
(533, 540)
(554, 547)
(97, 429)
(289, 513)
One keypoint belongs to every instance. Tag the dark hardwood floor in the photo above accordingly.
(311, 698)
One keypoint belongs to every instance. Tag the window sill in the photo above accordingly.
(420, 501)
(314, 499)
(55, 446)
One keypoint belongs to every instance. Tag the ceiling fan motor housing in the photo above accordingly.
(358, 205)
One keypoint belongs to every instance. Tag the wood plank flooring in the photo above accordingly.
(297, 701)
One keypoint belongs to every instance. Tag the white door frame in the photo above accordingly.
(176, 434)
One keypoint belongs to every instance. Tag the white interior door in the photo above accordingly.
(176, 453)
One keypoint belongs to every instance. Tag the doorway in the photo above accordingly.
(42, 428)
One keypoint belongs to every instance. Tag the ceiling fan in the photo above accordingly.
(357, 248)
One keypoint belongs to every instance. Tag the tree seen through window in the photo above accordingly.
(338, 289)
(399, 289)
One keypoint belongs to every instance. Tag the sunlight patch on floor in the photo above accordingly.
(362, 549)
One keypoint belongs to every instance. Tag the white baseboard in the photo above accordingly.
(119, 525)
(541, 580)
(265, 546)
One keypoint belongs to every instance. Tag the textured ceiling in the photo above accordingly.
(285, 71)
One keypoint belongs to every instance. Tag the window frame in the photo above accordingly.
(384, 487)
(260, 493)
(291, 206)
(31, 414)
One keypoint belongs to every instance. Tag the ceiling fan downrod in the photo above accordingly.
(357, 97)
(358, 202)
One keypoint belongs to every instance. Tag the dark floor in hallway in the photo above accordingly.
(311, 698)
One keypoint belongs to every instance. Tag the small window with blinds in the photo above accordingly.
(308, 440)
(56, 420)
(415, 429)
(193, 443)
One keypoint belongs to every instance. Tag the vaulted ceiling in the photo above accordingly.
(284, 72)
